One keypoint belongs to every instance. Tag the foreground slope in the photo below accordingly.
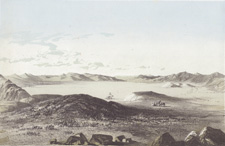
(65, 109)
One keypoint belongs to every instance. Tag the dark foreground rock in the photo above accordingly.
(192, 139)
(164, 140)
(100, 139)
(207, 137)
(78, 139)
(97, 139)
(212, 137)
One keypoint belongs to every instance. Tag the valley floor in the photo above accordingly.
(198, 108)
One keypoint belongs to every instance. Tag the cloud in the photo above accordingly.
(77, 61)
(107, 34)
(85, 67)
(77, 54)
(52, 65)
(120, 68)
(24, 38)
(98, 64)
(4, 59)
(83, 36)
(94, 66)
(144, 67)
(23, 60)
(56, 52)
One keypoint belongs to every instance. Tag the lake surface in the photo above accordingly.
(121, 90)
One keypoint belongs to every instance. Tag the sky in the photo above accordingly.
(111, 37)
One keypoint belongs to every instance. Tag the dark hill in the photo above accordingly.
(66, 109)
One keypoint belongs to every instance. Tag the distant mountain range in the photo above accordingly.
(188, 77)
(214, 81)
(180, 77)
(29, 79)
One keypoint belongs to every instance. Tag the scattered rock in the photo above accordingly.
(50, 127)
(101, 139)
(83, 138)
(78, 139)
(164, 140)
(120, 138)
(128, 140)
(207, 137)
(212, 137)
(192, 139)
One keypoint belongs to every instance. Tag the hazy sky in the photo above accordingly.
(112, 38)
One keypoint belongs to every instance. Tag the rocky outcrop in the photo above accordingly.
(78, 139)
(100, 139)
(11, 92)
(97, 139)
(164, 140)
(120, 138)
(212, 137)
(192, 139)
(207, 137)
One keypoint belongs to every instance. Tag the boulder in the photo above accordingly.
(192, 139)
(120, 138)
(78, 139)
(73, 140)
(83, 138)
(101, 139)
(128, 140)
(212, 137)
(164, 140)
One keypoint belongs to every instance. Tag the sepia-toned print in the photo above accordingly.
(123, 73)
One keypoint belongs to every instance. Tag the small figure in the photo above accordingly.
(110, 96)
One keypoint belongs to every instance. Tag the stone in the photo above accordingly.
(101, 139)
(192, 139)
(164, 140)
(212, 137)
(120, 138)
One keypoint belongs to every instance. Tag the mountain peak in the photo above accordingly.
(217, 74)
(184, 73)
(2, 77)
